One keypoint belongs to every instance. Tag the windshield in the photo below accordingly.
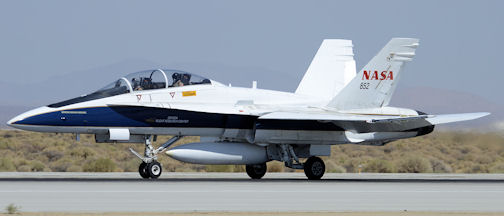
(115, 88)
(139, 81)
(118, 87)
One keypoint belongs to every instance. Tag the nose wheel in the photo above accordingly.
(143, 171)
(150, 167)
(150, 170)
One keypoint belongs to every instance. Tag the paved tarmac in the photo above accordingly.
(189, 192)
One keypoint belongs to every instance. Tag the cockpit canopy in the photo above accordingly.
(156, 79)
(140, 81)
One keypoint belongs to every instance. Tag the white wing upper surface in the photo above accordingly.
(441, 119)
(374, 123)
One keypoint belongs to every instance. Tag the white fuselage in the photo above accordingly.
(237, 107)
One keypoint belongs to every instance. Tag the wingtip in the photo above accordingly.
(448, 118)
(483, 114)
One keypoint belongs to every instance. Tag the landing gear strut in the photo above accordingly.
(150, 167)
(314, 167)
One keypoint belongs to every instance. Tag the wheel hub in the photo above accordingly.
(317, 168)
(155, 170)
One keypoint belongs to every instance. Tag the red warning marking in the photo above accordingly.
(172, 94)
(139, 97)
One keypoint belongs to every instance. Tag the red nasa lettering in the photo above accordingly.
(375, 75)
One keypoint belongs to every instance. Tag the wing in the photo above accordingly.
(373, 123)
(442, 119)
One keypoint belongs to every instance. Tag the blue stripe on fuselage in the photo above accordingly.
(137, 116)
(95, 116)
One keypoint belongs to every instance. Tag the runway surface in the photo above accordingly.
(188, 192)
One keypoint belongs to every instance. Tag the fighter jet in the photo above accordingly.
(332, 105)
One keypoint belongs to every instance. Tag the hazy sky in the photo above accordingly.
(461, 42)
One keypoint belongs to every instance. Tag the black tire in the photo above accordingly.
(154, 169)
(142, 169)
(256, 171)
(314, 168)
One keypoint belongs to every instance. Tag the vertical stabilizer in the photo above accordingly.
(330, 70)
(374, 85)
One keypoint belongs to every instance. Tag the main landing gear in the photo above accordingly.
(256, 171)
(314, 167)
(150, 167)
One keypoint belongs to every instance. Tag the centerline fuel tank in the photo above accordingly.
(219, 153)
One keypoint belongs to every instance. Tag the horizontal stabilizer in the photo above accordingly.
(441, 119)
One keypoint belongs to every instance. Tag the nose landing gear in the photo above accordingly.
(143, 171)
(150, 167)
(150, 170)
